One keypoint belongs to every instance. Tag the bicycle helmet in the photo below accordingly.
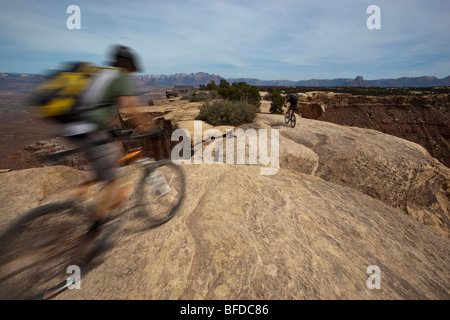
(123, 56)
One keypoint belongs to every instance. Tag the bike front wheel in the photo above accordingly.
(37, 251)
(293, 120)
(160, 194)
(287, 117)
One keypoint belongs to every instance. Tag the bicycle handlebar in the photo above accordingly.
(153, 133)
(123, 134)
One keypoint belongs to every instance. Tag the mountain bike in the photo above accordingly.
(39, 251)
(290, 116)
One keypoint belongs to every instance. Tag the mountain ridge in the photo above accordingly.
(359, 81)
(203, 78)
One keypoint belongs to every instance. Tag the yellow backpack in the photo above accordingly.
(59, 97)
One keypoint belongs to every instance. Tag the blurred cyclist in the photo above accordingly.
(113, 88)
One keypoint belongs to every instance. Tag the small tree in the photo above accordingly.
(224, 84)
(277, 103)
(212, 86)
(225, 112)
(241, 92)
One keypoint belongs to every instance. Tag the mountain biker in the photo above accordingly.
(91, 135)
(292, 100)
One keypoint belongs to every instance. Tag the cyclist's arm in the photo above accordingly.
(131, 105)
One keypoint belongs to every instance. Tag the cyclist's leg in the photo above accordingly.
(102, 153)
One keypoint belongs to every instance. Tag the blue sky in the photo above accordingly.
(268, 40)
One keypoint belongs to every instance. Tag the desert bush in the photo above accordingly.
(195, 96)
(186, 95)
(214, 94)
(277, 103)
(241, 92)
(226, 112)
(212, 86)
(172, 93)
(200, 96)
(224, 83)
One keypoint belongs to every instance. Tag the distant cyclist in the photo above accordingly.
(292, 100)
(91, 134)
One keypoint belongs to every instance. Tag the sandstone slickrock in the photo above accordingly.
(423, 119)
(241, 235)
(23, 190)
(396, 171)
(311, 110)
(336, 206)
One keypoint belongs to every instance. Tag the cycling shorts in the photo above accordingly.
(101, 152)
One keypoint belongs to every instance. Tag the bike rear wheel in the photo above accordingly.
(37, 250)
(160, 194)
(287, 117)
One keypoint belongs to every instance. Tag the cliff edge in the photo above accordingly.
(343, 199)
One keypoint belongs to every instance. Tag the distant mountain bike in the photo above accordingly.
(290, 116)
(40, 251)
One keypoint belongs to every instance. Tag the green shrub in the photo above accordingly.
(212, 86)
(277, 103)
(214, 94)
(196, 96)
(241, 92)
(225, 112)
(200, 96)
(224, 83)
(187, 95)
